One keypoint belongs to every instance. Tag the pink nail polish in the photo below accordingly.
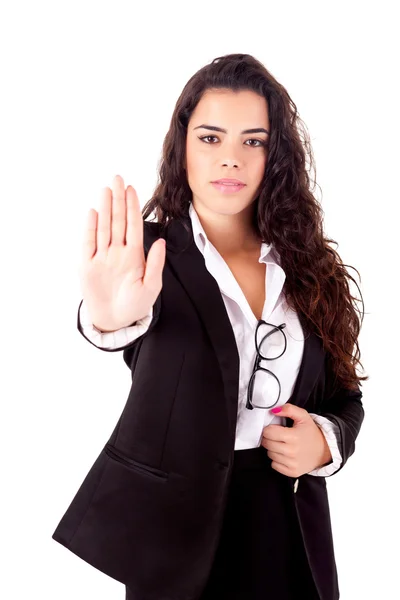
(276, 410)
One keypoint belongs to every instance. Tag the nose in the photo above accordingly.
(230, 154)
(230, 163)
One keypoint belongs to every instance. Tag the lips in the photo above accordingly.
(229, 182)
(229, 187)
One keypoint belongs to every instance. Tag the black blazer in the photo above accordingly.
(150, 509)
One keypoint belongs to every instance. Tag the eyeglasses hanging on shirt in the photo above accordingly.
(270, 343)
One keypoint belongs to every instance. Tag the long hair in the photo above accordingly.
(286, 213)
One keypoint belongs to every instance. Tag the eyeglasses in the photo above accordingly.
(270, 350)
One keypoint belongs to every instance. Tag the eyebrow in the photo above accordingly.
(214, 128)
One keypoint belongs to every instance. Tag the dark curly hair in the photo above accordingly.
(286, 213)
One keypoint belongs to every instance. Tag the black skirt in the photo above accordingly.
(261, 554)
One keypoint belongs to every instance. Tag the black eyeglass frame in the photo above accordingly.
(256, 366)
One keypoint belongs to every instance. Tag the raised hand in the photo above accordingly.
(118, 285)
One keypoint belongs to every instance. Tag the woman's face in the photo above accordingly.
(233, 154)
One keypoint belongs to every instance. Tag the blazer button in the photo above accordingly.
(296, 485)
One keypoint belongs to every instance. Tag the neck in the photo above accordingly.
(230, 234)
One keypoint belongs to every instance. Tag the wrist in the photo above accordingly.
(326, 455)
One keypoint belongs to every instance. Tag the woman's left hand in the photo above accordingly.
(299, 449)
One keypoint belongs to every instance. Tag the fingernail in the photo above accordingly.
(277, 409)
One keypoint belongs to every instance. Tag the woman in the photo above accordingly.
(230, 304)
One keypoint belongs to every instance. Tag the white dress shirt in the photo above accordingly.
(250, 423)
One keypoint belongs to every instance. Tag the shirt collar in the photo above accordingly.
(202, 241)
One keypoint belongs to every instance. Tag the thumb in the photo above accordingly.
(155, 265)
(299, 415)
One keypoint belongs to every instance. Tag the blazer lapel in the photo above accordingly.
(188, 264)
(310, 366)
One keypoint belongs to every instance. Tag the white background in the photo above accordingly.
(87, 91)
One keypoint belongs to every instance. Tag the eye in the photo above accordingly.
(259, 142)
(207, 136)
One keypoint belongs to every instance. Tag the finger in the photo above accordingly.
(103, 221)
(135, 224)
(89, 239)
(278, 458)
(276, 433)
(281, 468)
(118, 212)
(279, 447)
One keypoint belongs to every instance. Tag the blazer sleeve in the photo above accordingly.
(332, 435)
(111, 340)
(343, 407)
